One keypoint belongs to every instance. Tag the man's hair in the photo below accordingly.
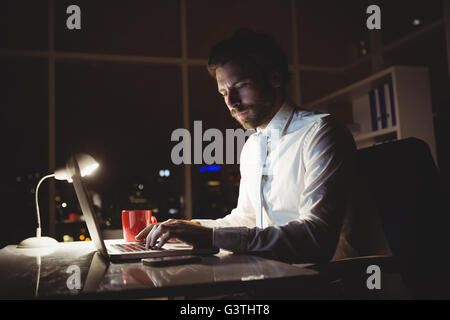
(256, 53)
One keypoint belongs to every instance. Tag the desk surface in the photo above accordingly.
(77, 270)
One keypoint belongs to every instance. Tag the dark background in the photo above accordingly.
(123, 110)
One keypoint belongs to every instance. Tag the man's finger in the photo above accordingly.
(154, 235)
(144, 232)
(163, 239)
(148, 238)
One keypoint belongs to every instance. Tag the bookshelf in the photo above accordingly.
(391, 104)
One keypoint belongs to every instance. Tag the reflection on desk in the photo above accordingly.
(227, 272)
(28, 273)
(49, 275)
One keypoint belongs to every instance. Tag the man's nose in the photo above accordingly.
(233, 100)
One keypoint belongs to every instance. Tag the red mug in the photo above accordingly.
(133, 221)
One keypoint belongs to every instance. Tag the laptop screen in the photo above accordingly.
(86, 206)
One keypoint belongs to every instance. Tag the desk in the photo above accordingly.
(29, 273)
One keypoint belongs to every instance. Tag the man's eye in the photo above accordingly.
(241, 85)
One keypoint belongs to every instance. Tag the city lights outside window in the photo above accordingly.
(164, 173)
(209, 168)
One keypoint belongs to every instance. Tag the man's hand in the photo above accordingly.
(187, 231)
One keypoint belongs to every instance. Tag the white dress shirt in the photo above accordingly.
(293, 190)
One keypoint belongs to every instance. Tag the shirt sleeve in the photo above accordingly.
(328, 162)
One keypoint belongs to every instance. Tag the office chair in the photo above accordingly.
(404, 186)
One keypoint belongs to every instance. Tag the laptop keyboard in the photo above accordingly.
(132, 247)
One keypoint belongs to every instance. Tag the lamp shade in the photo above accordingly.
(86, 163)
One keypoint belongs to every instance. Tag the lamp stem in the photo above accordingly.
(38, 230)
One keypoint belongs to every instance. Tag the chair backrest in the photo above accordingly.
(403, 182)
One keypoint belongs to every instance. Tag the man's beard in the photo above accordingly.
(258, 113)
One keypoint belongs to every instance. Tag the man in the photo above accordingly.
(294, 169)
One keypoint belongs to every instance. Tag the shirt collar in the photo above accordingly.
(279, 121)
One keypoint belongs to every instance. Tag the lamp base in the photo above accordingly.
(37, 242)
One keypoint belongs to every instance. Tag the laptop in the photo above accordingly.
(119, 249)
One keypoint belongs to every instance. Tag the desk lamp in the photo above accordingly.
(87, 165)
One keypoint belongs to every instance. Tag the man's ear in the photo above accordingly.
(275, 79)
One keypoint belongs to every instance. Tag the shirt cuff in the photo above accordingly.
(205, 222)
(231, 238)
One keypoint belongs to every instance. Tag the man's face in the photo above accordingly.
(250, 101)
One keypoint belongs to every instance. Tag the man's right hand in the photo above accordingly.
(191, 232)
